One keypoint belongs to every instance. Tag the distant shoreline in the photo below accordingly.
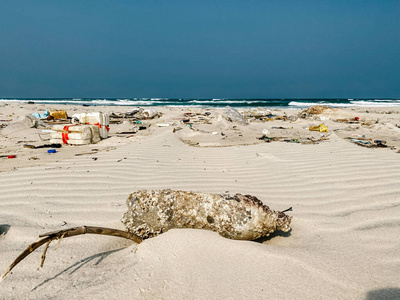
(212, 102)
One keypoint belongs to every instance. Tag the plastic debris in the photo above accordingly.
(234, 116)
(41, 116)
(360, 141)
(43, 146)
(320, 128)
(58, 114)
(150, 113)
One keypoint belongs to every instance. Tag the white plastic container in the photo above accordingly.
(75, 134)
(100, 119)
(150, 113)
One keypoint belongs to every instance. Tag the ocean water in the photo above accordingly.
(270, 103)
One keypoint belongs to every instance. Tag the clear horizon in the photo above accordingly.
(192, 49)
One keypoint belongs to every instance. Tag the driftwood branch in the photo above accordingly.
(58, 235)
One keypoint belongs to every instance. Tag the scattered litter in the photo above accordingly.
(368, 143)
(215, 132)
(292, 140)
(280, 127)
(51, 151)
(86, 153)
(360, 141)
(135, 114)
(33, 158)
(349, 121)
(259, 114)
(163, 124)
(380, 142)
(11, 156)
(320, 128)
(143, 127)
(43, 146)
(127, 132)
(48, 131)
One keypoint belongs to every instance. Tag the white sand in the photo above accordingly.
(345, 236)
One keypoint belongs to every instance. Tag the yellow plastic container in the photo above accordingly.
(58, 114)
(320, 128)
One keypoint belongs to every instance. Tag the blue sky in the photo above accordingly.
(200, 49)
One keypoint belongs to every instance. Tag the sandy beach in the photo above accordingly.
(343, 186)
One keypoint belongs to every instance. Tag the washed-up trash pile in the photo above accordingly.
(85, 128)
(305, 140)
(53, 116)
(98, 119)
(80, 129)
(135, 114)
(264, 115)
(313, 110)
(259, 114)
(190, 119)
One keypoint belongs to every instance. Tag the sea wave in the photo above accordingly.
(377, 103)
(350, 103)
(308, 104)
(211, 102)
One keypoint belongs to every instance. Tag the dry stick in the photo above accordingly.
(289, 209)
(55, 235)
(44, 254)
(59, 241)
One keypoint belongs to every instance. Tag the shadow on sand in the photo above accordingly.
(272, 235)
(76, 266)
(384, 294)
(4, 228)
